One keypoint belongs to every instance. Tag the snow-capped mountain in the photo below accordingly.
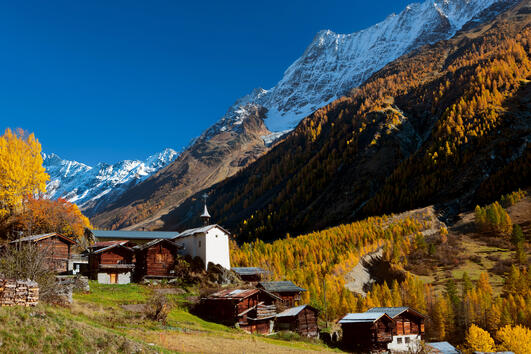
(335, 63)
(86, 185)
(332, 65)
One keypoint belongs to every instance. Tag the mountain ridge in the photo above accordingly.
(445, 124)
(329, 68)
(89, 186)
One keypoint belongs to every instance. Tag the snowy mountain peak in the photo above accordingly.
(335, 63)
(86, 185)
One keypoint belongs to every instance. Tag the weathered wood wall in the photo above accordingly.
(57, 251)
(366, 336)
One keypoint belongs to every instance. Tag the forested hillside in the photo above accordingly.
(492, 296)
(444, 125)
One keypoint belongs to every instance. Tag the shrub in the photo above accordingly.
(158, 308)
(29, 261)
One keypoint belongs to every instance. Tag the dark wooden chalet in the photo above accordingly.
(250, 274)
(300, 319)
(113, 264)
(407, 320)
(365, 332)
(286, 290)
(55, 248)
(156, 259)
(252, 310)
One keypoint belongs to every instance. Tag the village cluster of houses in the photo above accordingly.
(263, 307)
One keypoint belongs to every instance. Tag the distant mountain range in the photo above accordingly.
(89, 187)
(331, 66)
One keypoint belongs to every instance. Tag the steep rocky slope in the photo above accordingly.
(448, 124)
(332, 65)
(209, 160)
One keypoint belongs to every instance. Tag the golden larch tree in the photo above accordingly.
(21, 172)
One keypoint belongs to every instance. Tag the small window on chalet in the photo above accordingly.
(407, 339)
(199, 243)
(159, 258)
(399, 340)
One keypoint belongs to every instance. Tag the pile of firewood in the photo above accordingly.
(18, 292)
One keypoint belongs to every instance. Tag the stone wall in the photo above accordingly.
(18, 292)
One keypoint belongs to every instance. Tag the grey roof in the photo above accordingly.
(40, 237)
(294, 311)
(105, 249)
(361, 317)
(443, 347)
(393, 311)
(200, 230)
(280, 286)
(248, 270)
(154, 242)
(134, 235)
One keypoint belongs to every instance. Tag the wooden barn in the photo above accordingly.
(250, 274)
(300, 319)
(156, 259)
(252, 310)
(55, 248)
(286, 290)
(366, 332)
(112, 264)
(408, 329)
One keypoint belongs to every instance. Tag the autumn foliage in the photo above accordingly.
(23, 210)
(21, 173)
(321, 259)
(44, 215)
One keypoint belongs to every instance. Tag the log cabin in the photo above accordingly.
(250, 274)
(286, 290)
(156, 259)
(300, 319)
(366, 332)
(55, 248)
(113, 264)
(408, 329)
(252, 310)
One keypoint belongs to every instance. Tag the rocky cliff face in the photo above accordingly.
(332, 65)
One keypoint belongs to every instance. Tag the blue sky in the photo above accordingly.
(113, 80)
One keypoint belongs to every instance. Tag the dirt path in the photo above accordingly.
(359, 278)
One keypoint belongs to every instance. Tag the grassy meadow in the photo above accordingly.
(111, 318)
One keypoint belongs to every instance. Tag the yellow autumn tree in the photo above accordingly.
(516, 339)
(477, 339)
(21, 171)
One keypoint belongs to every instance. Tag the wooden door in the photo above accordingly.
(114, 278)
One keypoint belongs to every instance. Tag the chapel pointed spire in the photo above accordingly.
(206, 215)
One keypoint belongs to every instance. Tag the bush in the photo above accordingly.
(29, 261)
(158, 308)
